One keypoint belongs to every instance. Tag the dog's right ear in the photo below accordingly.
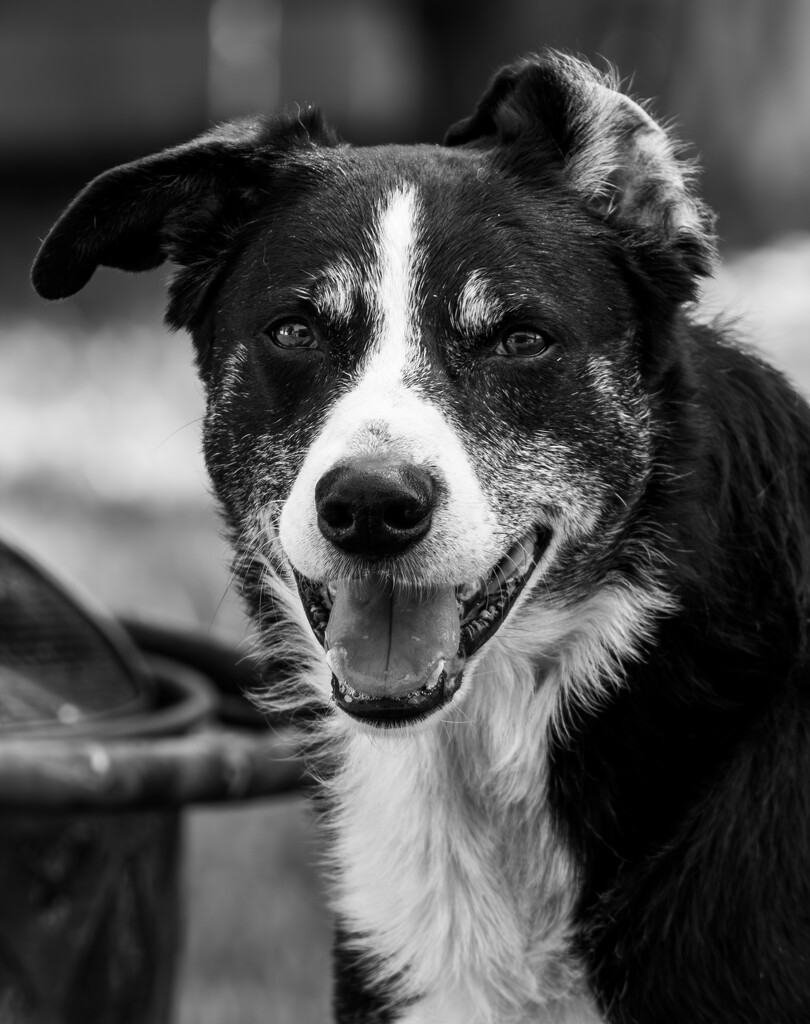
(553, 115)
(182, 205)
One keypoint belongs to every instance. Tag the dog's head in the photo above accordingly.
(428, 369)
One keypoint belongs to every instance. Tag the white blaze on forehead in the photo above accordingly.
(479, 309)
(388, 285)
(336, 290)
(394, 286)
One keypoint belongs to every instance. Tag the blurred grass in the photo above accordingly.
(101, 475)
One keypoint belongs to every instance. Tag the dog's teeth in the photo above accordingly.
(349, 694)
(518, 561)
(433, 682)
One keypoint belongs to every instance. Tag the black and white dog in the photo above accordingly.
(539, 544)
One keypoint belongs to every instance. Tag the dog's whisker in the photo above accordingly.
(174, 433)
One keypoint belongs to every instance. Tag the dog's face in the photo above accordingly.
(434, 407)
(427, 368)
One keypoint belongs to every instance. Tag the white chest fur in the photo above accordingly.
(450, 1007)
(446, 859)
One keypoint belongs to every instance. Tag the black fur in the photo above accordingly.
(687, 796)
(684, 795)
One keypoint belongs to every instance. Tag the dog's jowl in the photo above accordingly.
(534, 544)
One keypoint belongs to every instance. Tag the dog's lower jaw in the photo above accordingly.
(407, 708)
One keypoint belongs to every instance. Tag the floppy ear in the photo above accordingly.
(555, 115)
(183, 204)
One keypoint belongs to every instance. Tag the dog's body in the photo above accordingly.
(549, 539)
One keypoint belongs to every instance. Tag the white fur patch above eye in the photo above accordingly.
(478, 310)
(337, 290)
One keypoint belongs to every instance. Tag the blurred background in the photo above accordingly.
(100, 471)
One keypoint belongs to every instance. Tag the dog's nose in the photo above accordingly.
(375, 507)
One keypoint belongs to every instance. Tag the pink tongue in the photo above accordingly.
(384, 641)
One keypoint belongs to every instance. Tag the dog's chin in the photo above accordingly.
(483, 606)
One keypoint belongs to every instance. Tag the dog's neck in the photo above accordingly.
(444, 850)
(445, 856)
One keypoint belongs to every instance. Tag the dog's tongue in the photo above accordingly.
(384, 641)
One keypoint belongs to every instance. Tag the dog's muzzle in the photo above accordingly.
(397, 650)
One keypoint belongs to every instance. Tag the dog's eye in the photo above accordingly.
(291, 334)
(523, 343)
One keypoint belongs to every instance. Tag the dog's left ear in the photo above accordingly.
(555, 114)
(184, 204)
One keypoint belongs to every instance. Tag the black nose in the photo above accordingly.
(374, 507)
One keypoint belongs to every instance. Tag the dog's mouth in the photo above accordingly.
(397, 653)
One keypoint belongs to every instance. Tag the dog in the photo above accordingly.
(532, 541)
